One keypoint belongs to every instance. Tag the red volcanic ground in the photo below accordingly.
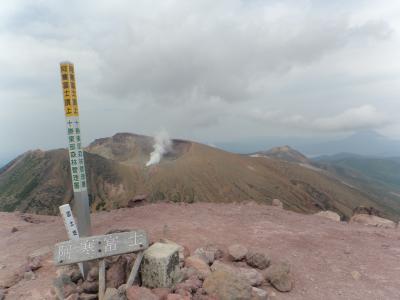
(323, 254)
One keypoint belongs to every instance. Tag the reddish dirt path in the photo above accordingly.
(322, 253)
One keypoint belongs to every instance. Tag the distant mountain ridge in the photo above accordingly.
(39, 181)
(366, 142)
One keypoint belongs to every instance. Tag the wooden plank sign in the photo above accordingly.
(95, 247)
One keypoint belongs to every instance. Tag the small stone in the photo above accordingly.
(217, 265)
(253, 276)
(64, 286)
(329, 215)
(188, 272)
(116, 273)
(84, 296)
(259, 294)
(73, 297)
(14, 229)
(356, 275)
(226, 285)
(34, 263)
(29, 275)
(191, 285)
(279, 277)
(257, 260)
(93, 274)
(161, 293)
(110, 294)
(160, 266)
(237, 252)
(199, 265)
(178, 297)
(209, 253)
(140, 293)
(90, 287)
(277, 203)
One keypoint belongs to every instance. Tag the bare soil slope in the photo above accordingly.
(191, 172)
(323, 253)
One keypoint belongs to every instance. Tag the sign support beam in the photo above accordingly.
(76, 156)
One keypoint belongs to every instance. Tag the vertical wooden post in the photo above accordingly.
(102, 278)
(135, 269)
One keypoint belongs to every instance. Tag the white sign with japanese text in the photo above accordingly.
(94, 247)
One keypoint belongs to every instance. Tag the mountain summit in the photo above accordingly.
(39, 181)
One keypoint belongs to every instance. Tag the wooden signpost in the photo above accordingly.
(100, 247)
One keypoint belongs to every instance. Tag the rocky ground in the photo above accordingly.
(328, 259)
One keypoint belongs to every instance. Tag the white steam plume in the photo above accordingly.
(162, 145)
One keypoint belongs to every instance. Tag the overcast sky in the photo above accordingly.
(204, 70)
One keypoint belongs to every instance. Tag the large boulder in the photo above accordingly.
(160, 266)
(329, 215)
(226, 285)
(371, 220)
(279, 276)
(237, 252)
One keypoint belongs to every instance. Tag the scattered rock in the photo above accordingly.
(356, 275)
(140, 293)
(111, 294)
(160, 266)
(64, 287)
(14, 229)
(93, 274)
(329, 215)
(254, 277)
(90, 287)
(226, 285)
(116, 273)
(29, 275)
(191, 285)
(138, 200)
(259, 294)
(279, 277)
(257, 260)
(161, 293)
(2, 295)
(237, 252)
(188, 272)
(178, 297)
(371, 220)
(209, 253)
(34, 263)
(84, 296)
(199, 265)
(277, 203)
(217, 265)
(73, 297)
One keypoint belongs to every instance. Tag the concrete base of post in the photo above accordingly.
(160, 267)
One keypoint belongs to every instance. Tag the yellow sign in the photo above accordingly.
(69, 90)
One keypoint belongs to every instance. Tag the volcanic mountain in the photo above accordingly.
(39, 181)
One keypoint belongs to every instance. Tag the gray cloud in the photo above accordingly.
(204, 70)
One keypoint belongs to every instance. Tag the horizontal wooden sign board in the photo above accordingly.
(94, 247)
